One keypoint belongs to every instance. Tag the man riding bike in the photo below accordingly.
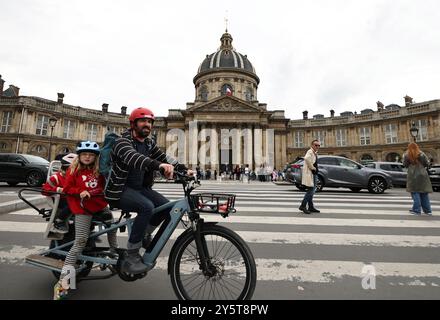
(135, 157)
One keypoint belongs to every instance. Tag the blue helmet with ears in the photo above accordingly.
(87, 146)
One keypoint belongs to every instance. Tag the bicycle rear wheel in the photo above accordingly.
(232, 275)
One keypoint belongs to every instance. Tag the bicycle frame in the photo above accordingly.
(178, 209)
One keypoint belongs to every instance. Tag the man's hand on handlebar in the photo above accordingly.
(167, 170)
(190, 172)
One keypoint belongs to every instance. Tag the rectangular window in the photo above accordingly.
(341, 137)
(422, 125)
(391, 133)
(6, 121)
(365, 136)
(113, 129)
(92, 132)
(299, 139)
(320, 135)
(42, 125)
(69, 129)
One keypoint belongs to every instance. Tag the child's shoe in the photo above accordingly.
(60, 226)
(59, 293)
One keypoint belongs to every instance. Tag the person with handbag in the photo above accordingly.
(418, 182)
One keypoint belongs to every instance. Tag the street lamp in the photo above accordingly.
(52, 123)
(414, 131)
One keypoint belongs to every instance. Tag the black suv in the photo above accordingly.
(16, 168)
(434, 176)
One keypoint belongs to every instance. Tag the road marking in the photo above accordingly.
(260, 237)
(315, 271)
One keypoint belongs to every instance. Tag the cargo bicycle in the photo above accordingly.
(206, 262)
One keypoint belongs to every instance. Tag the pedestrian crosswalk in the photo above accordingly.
(352, 231)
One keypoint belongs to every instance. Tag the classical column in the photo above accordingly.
(258, 147)
(193, 143)
(283, 150)
(187, 147)
(213, 148)
(236, 146)
(247, 150)
(203, 147)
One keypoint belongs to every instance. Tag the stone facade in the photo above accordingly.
(225, 125)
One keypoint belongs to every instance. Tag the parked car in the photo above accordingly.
(288, 170)
(396, 170)
(337, 172)
(435, 168)
(16, 168)
(434, 176)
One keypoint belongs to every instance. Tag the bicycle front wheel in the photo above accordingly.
(232, 274)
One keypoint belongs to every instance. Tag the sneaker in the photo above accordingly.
(428, 213)
(416, 213)
(304, 209)
(59, 293)
(60, 226)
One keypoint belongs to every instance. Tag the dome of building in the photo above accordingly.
(226, 58)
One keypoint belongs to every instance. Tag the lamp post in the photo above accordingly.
(414, 131)
(52, 123)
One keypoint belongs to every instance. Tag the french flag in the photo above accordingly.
(228, 91)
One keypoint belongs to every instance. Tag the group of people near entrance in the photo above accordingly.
(418, 182)
(87, 193)
(135, 158)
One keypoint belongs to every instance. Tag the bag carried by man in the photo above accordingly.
(105, 159)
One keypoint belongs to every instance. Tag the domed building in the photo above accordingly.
(226, 62)
(226, 125)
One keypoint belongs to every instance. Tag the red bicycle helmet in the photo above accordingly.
(141, 113)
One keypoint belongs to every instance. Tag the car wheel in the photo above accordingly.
(377, 185)
(12, 184)
(355, 189)
(34, 179)
(319, 184)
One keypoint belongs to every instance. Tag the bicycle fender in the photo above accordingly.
(179, 239)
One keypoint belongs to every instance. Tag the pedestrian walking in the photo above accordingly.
(247, 173)
(418, 182)
(309, 177)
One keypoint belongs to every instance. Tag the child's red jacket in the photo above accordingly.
(85, 180)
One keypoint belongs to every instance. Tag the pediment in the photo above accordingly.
(226, 104)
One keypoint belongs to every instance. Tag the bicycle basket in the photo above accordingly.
(221, 203)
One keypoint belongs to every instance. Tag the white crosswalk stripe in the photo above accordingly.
(352, 231)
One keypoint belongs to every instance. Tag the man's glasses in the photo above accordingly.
(317, 145)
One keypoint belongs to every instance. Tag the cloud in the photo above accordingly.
(308, 54)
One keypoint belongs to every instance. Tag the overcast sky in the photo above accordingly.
(313, 55)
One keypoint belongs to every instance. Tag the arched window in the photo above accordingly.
(366, 158)
(39, 149)
(393, 157)
(227, 90)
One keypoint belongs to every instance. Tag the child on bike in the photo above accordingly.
(56, 183)
(83, 179)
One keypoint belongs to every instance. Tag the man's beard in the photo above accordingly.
(141, 133)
